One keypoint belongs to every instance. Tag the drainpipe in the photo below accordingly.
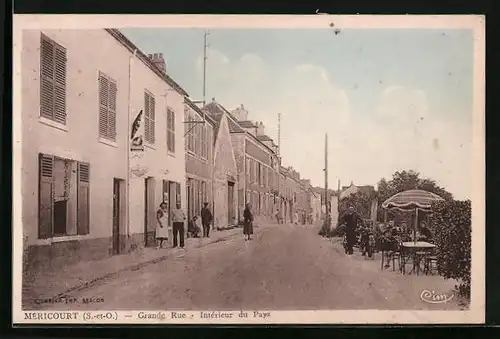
(128, 139)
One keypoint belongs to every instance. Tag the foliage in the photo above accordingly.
(362, 203)
(407, 180)
(450, 223)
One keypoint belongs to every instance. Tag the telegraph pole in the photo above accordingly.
(327, 205)
(279, 164)
(205, 46)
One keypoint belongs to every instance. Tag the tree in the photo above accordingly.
(403, 181)
(362, 203)
(407, 180)
(450, 222)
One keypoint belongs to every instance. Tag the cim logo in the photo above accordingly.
(433, 297)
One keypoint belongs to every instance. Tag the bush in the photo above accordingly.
(450, 223)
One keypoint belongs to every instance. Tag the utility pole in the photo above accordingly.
(327, 205)
(279, 163)
(205, 46)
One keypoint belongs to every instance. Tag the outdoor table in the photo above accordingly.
(412, 247)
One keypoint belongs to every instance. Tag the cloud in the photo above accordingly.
(401, 130)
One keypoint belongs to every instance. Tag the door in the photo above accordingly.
(116, 216)
(230, 203)
(149, 205)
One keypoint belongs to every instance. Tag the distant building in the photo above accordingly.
(225, 175)
(256, 160)
(346, 191)
(199, 140)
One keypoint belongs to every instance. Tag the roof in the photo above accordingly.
(199, 111)
(347, 191)
(120, 37)
(264, 138)
(215, 109)
(247, 124)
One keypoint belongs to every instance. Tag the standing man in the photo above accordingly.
(178, 218)
(350, 220)
(206, 219)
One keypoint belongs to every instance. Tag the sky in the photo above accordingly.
(389, 99)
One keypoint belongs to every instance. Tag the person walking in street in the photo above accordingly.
(278, 218)
(206, 219)
(161, 224)
(350, 219)
(178, 218)
(248, 222)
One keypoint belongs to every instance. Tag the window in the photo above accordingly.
(63, 206)
(247, 169)
(186, 128)
(170, 130)
(204, 141)
(107, 107)
(204, 197)
(52, 80)
(149, 117)
(190, 132)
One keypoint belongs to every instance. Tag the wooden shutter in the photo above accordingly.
(45, 196)
(178, 193)
(103, 105)
(60, 84)
(146, 117)
(83, 205)
(46, 78)
(152, 119)
(112, 110)
(171, 130)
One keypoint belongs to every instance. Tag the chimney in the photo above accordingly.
(240, 113)
(260, 129)
(158, 61)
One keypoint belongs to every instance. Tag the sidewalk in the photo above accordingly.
(45, 284)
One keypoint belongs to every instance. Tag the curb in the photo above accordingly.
(135, 267)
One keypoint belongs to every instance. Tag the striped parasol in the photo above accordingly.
(411, 200)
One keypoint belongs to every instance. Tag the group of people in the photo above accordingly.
(178, 220)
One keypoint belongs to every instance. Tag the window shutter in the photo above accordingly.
(146, 117)
(60, 84)
(177, 193)
(103, 106)
(152, 120)
(112, 110)
(83, 204)
(46, 78)
(173, 131)
(45, 196)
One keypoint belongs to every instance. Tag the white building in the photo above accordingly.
(77, 88)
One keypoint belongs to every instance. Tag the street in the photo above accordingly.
(285, 267)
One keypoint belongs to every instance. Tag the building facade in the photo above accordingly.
(256, 162)
(75, 108)
(199, 140)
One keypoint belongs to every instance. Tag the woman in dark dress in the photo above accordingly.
(248, 222)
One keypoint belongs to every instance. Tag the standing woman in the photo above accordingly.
(162, 224)
(248, 222)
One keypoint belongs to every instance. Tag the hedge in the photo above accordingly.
(450, 223)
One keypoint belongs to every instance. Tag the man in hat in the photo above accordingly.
(206, 219)
(350, 219)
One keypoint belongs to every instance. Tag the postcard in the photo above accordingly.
(248, 169)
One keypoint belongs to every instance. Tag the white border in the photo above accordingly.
(476, 312)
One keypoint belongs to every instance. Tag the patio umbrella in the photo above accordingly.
(412, 200)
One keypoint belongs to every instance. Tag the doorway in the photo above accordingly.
(230, 203)
(116, 215)
(149, 205)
